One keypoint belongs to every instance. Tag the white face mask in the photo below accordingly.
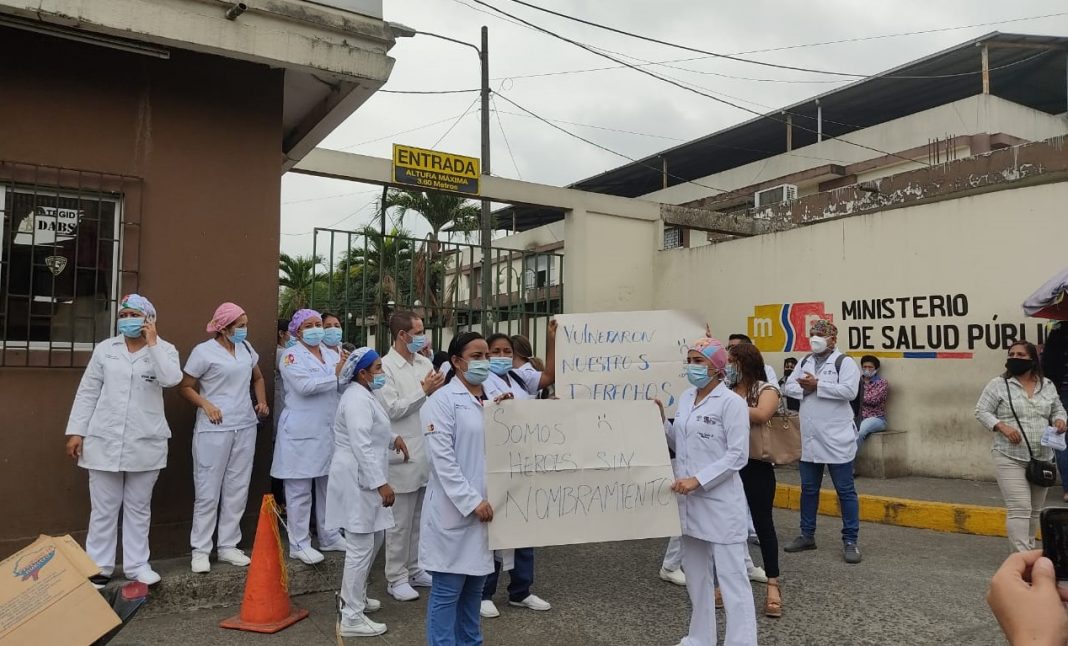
(818, 344)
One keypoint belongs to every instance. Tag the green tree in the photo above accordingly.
(298, 282)
(438, 209)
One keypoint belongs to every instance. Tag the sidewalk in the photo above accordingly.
(946, 505)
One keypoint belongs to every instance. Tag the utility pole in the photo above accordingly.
(486, 237)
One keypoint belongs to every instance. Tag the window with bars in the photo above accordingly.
(672, 237)
(61, 262)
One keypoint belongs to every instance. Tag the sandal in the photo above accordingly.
(773, 608)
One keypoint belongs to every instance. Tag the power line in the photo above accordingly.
(455, 123)
(474, 89)
(327, 197)
(402, 132)
(507, 145)
(350, 215)
(590, 125)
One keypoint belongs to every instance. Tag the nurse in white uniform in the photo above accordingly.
(218, 376)
(305, 441)
(454, 540)
(359, 495)
(117, 431)
(710, 437)
(534, 373)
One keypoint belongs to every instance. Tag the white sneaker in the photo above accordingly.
(371, 605)
(757, 574)
(402, 591)
(421, 580)
(338, 546)
(361, 626)
(308, 555)
(147, 576)
(488, 609)
(233, 556)
(678, 577)
(533, 602)
(200, 563)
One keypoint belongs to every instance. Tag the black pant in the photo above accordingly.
(758, 479)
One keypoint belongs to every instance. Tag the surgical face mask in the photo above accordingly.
(818, 344)
(239, 335)
(697, 374)
(787, 371)
(332, 336)
(869, 373)
(313, 335)
(378, 381)
(417, 343)
(500, 365)
(1017, 367)
(131, 327)
(291, 342)
(731, 375)
(478, 371)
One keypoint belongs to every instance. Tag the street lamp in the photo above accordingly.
(486, 229)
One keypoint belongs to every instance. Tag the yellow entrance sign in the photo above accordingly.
(434, 170)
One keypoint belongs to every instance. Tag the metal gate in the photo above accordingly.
(364, 277)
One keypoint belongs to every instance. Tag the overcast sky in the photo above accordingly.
(656, 115)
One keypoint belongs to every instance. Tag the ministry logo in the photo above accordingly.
(56, 264)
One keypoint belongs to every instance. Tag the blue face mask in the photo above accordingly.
(500, 365)
(290, 343)
(697, 374)
(239, 335)
(731, 375)
(478, 371)
(378, 381)
(131, 327)
(332, 336)
(312, 335)
(417, 343)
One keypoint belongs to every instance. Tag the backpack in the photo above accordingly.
(859, 399)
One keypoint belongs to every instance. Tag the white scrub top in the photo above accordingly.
(452, 539)
(118, 408)
(225, 381)
(402, 397)
(531, 377)
(711, 443)
(828, 432)
(362, 440)
(508, 384)
(305, 441)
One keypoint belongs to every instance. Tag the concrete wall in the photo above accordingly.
(992, 250)
(204, 134)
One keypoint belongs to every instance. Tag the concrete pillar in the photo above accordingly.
(609, 262)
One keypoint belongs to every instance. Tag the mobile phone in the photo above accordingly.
(1055, 539)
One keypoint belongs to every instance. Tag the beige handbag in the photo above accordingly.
(779, 439)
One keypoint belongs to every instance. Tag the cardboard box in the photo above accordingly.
(46, 597)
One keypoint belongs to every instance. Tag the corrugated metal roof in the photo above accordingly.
(1025, 69)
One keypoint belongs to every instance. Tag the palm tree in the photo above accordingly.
(383, 264)
(438, 209)
(298, 282)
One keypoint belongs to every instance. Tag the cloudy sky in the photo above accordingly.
(621, 109)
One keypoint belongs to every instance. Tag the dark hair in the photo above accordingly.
(329, 315)
(497, 336)
(401, 322)
(740, 337)
(870, 358)
(283, 329)
(457, 347)
(522, 348)
(789, 360)
(1032, 352)
(750, 363)
(440, 358)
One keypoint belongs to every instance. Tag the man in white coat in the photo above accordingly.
(410, 379)
(826, 381)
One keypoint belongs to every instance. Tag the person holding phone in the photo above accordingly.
(1027, 601)
(1017, 407)
(218, 376)
(118, 432)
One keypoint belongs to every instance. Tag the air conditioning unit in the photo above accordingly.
(775, 195)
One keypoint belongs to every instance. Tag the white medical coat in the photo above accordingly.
(305, 440)
(828, 432)
(118, 408)
(531, 377)
(508, 384)
(402, 397)
(362, 440)
(279, 388)
(711, 443)
(452, 539)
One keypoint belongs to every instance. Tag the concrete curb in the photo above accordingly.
(920, 514)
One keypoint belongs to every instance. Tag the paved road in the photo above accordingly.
(914, 587)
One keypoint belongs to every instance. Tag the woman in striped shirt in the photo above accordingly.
(1017, 436)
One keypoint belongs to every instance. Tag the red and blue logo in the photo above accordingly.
(29, 566)
(783, 327)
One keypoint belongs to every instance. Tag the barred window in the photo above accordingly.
(61, 263)
(672, 237)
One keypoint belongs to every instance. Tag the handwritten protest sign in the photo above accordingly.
(624, 355)
(562, 472)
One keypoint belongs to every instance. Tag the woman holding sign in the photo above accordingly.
(454, 540)
(710, 437)
(533, 373)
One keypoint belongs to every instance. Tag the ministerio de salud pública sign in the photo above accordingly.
(434, 170)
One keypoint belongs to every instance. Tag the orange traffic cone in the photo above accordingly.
(266, 607)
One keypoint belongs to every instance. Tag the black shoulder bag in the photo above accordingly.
(1038, 472)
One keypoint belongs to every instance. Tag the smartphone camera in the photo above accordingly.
(1054, 522)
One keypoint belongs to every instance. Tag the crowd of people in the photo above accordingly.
(388, 451)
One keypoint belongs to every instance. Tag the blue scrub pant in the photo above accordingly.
(521, 577)
(452, 617)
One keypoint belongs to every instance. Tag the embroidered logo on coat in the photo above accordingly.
(289, 359)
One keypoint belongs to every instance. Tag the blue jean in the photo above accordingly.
(452, 617)
(520, 578)
(1062, 467)
(870, 425)
(842, 477)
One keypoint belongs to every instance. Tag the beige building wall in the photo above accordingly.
(992, 250)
